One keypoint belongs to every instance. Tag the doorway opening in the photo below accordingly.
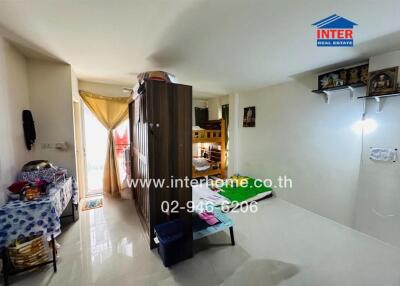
(95, 152)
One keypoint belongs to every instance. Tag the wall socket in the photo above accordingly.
(46, 146)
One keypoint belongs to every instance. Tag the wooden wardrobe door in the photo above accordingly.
(171, 133)
(140, 152)
(180, 152)
(132, 123)
(161, 149)
(158, 159)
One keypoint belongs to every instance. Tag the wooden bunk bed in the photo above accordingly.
(213, 133)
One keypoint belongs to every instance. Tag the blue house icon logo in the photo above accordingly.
(334, 31)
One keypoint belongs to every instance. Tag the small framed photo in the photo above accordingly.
(382, 82)
(249, 116)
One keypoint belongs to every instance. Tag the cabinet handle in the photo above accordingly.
(157, 125)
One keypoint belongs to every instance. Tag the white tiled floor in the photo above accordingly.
(280, 245)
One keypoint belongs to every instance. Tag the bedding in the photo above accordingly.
(201, 164)
(49, 174)
(196, 128)
(241, 194)
(229, 196)
(202, 192)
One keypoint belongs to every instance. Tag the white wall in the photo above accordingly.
(378, 200)
(75, 87)
(215, 107)
(297, 134)
(14, 98)
(51, 100)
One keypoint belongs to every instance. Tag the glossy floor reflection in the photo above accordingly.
(280, 245)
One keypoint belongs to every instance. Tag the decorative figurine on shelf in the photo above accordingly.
(332, 79)
(343, 76)
(353, 76)
(364, 74)
(358, 75)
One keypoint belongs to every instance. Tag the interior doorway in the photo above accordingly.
(79, 147)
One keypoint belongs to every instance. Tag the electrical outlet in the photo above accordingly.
(46, 146)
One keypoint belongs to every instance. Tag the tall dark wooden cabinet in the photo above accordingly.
(161, 148)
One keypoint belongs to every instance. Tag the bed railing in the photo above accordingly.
(206, 134)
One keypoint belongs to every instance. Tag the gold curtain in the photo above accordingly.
(110, 111)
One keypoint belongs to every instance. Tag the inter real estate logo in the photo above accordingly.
(334, 31)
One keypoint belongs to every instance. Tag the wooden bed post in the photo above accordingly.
(223, 149)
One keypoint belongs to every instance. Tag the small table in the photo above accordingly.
(39, 216)
(225, 223)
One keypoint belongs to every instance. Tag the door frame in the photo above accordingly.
(79, 138)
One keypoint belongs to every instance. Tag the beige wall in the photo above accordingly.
(46, 89)
(51, 100)
(14, 97)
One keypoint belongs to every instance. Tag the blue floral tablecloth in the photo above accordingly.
(40, 216)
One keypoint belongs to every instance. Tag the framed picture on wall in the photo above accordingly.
(382, 82)
(249, 116)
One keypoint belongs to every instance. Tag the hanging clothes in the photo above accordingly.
(29, 128)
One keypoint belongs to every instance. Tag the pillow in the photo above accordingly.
(201, 164)
(16, 187)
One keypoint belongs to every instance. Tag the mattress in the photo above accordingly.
(203, 195)
(244, 193)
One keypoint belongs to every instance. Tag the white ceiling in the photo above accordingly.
(218, 46)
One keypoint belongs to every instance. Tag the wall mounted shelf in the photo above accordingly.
(328, 92)
(397, 93)
(380, 98)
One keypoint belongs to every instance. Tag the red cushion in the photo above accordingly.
(17, 186)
